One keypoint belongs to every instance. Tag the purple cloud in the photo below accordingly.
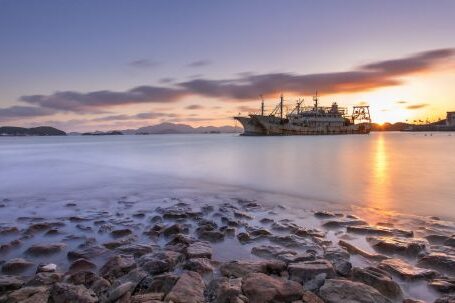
(143, 63)
(199, 63)
(17, 112)
(194, 106)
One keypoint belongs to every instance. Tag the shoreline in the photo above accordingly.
(219, 243)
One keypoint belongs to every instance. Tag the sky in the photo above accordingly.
(101, 65)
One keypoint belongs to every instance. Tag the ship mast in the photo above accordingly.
(262, 106)
(281, 107)
(315, 99)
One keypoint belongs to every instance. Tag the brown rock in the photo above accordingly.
(188, 289)
(239, 269)
(308, 270)
(406, 270)
(260, 288)
(337, 291)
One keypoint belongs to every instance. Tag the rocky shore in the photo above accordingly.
(235, 251)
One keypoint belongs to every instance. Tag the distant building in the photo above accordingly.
(450, 120)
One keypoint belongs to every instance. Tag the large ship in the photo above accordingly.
(307, 120)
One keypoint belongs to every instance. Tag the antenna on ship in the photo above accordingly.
(281, 107)
(315, 99)
(262, 105)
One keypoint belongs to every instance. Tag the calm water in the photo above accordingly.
(409, 172)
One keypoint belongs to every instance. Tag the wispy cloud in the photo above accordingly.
(18, 112)
(143, 63)
(194, 106)
(417, 106)
(140, 116)
(199, 63)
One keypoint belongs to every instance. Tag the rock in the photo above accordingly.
(8, 283)
(83, 277)
(436, 239)
(81, 265)
(10, 245)
(290, 258)
(336, 291)
(188, 289)
(137, 250)
(117, 266)
(45, 278)
(161, 283)
(289, 241)
(270, 251)
(87, 253)
(239, 269)
(8, 230)
(175, 229)
(260, 288)
(266, 220)
(439, 261)
(117, 233)
(379, 280)
(42, 226)
(160, 262)
(450, 241)
(224, 290)
(120, 242)
(357, 251)
(324, 215)
(379, 231)
(308, 270)
(83, 227)
(100, 286)
(405, 270)
(199, 265)
(199, 250)
(38, 294)
(45, 249)
(211, 235)
(444, 285)
(156, 219)
(153, 297)
(16, 265)
(446, 299)
(315, 283)
(403, 246)
(63, 292)
(309, 297)
(51, 267)
(120, 291)
(343, 223)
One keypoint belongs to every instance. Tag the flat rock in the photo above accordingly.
(8, 230)
(45, 278)
(343, 223)
(199, 250)
(153, 297)
(117, 266)
(199, 265)
(45, 249)
(87, 253)
(159, 283)
(239, 269)
(63, 292)
(120, 242)
(308, 270)
(270, 251)
(439, 261)
(16, 265)
(120, 291)
(379, 231)
(403, 246)
(81, 265)
(379, 280)
(351, 248)
(8, 283)
(136, 249)
(117, 233)
(336, 291)
(160, 262)
(225, 290)
(446, 299)
(443, 285)
(324, 215)
(405, 270)
(38, 294)
(261, 288)
(188, 289)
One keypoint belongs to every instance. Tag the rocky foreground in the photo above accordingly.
(167, 255)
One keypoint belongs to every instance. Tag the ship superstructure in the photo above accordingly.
(307, 120)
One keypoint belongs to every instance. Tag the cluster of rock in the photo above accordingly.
(289, 263)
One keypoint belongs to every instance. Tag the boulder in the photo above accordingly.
(16, 265)
(63, 293)
(380, 280)
(119, 291)
(225, 290)
(83, 277)
(446, 299)
(336, 291)
(45, 249)
(199, 250)
(403, 246)
(81, 265)
(87, 253)
(351, 248)
(38, 294)
(439, 261)
(261, 288)
(379, 231)
(239, 269)
(188, 289)
(405, 270)
(45, 278)
(117, 233)
(8, 283)
(308, 270)
(443, 284)
(117, 266)
(160, 262)
(136, 249)
(158, 284)
(199, 265)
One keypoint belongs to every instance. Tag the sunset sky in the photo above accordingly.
(103, 65)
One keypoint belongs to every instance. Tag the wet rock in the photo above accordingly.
(45, 278)
(379, 231)
(450, 241)
(188, 289)
(211, 235)
(199, 265)
(405, 270)
(242, 215)
(224, 290)
(351, 248)
(324, 215)
(206, 209)
(199, 250)
(138, 215)
(175, 229)
(335, 291)
(156, 219)
(439, 261)
(70, 204)
(81, 265)
(16, 265)
(87, 253)
(148, 298)
(308, 270)
(446, 299)
(137, 250)
(78, 219)
(343, 223)
(120, 291)
(160, 262)
(45, 249)
(120, 242)
(266, 220)
(10, 245)
(339, 258)
(260, 288)
(288, 241)
(51, 267)
(315, 283)
(403, 246)
(270, 251)
(42, 226)
(160, 283)
(83, 227)
(443, 285)
(380, 280)
(239, 269)
(8, 230)
(293, 258)
(100, 286)
(8, 283)
(309, 297)
(63, 292)
(437, 239)
(38, 294)
(117, 266)
(83, 277)
(117, 233)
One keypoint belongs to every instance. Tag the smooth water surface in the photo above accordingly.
(408, 172)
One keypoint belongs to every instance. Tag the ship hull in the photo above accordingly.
(257, 125)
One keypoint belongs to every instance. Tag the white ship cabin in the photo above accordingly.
(319, 116)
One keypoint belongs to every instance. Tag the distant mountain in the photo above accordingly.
(172, 128)
(34, 131)
(108, 133)
(399, 126)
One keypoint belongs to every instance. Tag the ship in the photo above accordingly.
(307, 120)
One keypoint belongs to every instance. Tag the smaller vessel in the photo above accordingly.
(307, 120)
